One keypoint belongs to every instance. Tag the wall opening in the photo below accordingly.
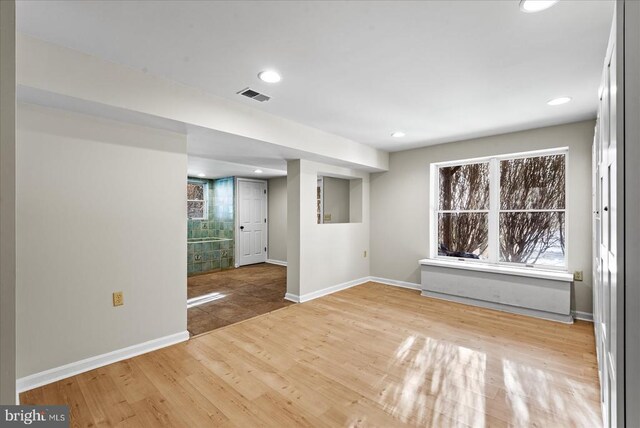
(338, 199)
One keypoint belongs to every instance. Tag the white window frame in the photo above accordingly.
(494, 208)
(205, 195)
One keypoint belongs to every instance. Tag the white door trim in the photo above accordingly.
(236, 216)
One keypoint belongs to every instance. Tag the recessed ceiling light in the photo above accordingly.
(532, 6)
(558, 101)
(398, 134)
(258, 171)
(202, 175)
(269, 76)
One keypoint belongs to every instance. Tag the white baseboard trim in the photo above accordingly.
(292, 297)
(325, 291)
(583, 316)
(339, 287)
(276, 262)
(52, 375)
(332, 289)
(395, 283)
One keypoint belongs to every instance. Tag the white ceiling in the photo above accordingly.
(211, 168)
(439, 70)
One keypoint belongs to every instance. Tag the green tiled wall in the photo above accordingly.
(220, 226)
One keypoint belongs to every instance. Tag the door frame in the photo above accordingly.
(236, 216)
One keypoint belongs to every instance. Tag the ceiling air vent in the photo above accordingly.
(254, 95)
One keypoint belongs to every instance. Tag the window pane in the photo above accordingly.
(465, 187)
(195, 209)
(463, 235)
(195, 191)
(532, 183)
(532, 238)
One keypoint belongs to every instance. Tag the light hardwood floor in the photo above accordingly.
(372, 355)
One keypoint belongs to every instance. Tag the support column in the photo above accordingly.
(293, 229)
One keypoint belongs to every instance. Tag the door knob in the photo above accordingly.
(241, 227)
(606, 208)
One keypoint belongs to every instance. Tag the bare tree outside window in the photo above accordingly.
(532, 203)
(196, 200)
(529, 218)
(195, 191)
(463, 211)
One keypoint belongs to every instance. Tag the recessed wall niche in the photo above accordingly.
(338, 199)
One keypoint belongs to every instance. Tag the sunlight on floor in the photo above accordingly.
(549, 392)
(206, 298)
(433, 383)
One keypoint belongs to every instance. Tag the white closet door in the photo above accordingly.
(605, 232)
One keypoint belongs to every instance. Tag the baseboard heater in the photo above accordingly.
(538, 293)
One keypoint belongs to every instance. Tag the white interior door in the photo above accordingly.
(605, 231)
(252, 221)
(608, 247)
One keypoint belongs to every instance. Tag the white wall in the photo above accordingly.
(101, 208)
(278, 219)
(329, 254)
(400, 200)
(336, 199)
(7, 203)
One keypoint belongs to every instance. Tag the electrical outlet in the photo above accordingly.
(118, 298)
(577, 275)
(365, 254)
